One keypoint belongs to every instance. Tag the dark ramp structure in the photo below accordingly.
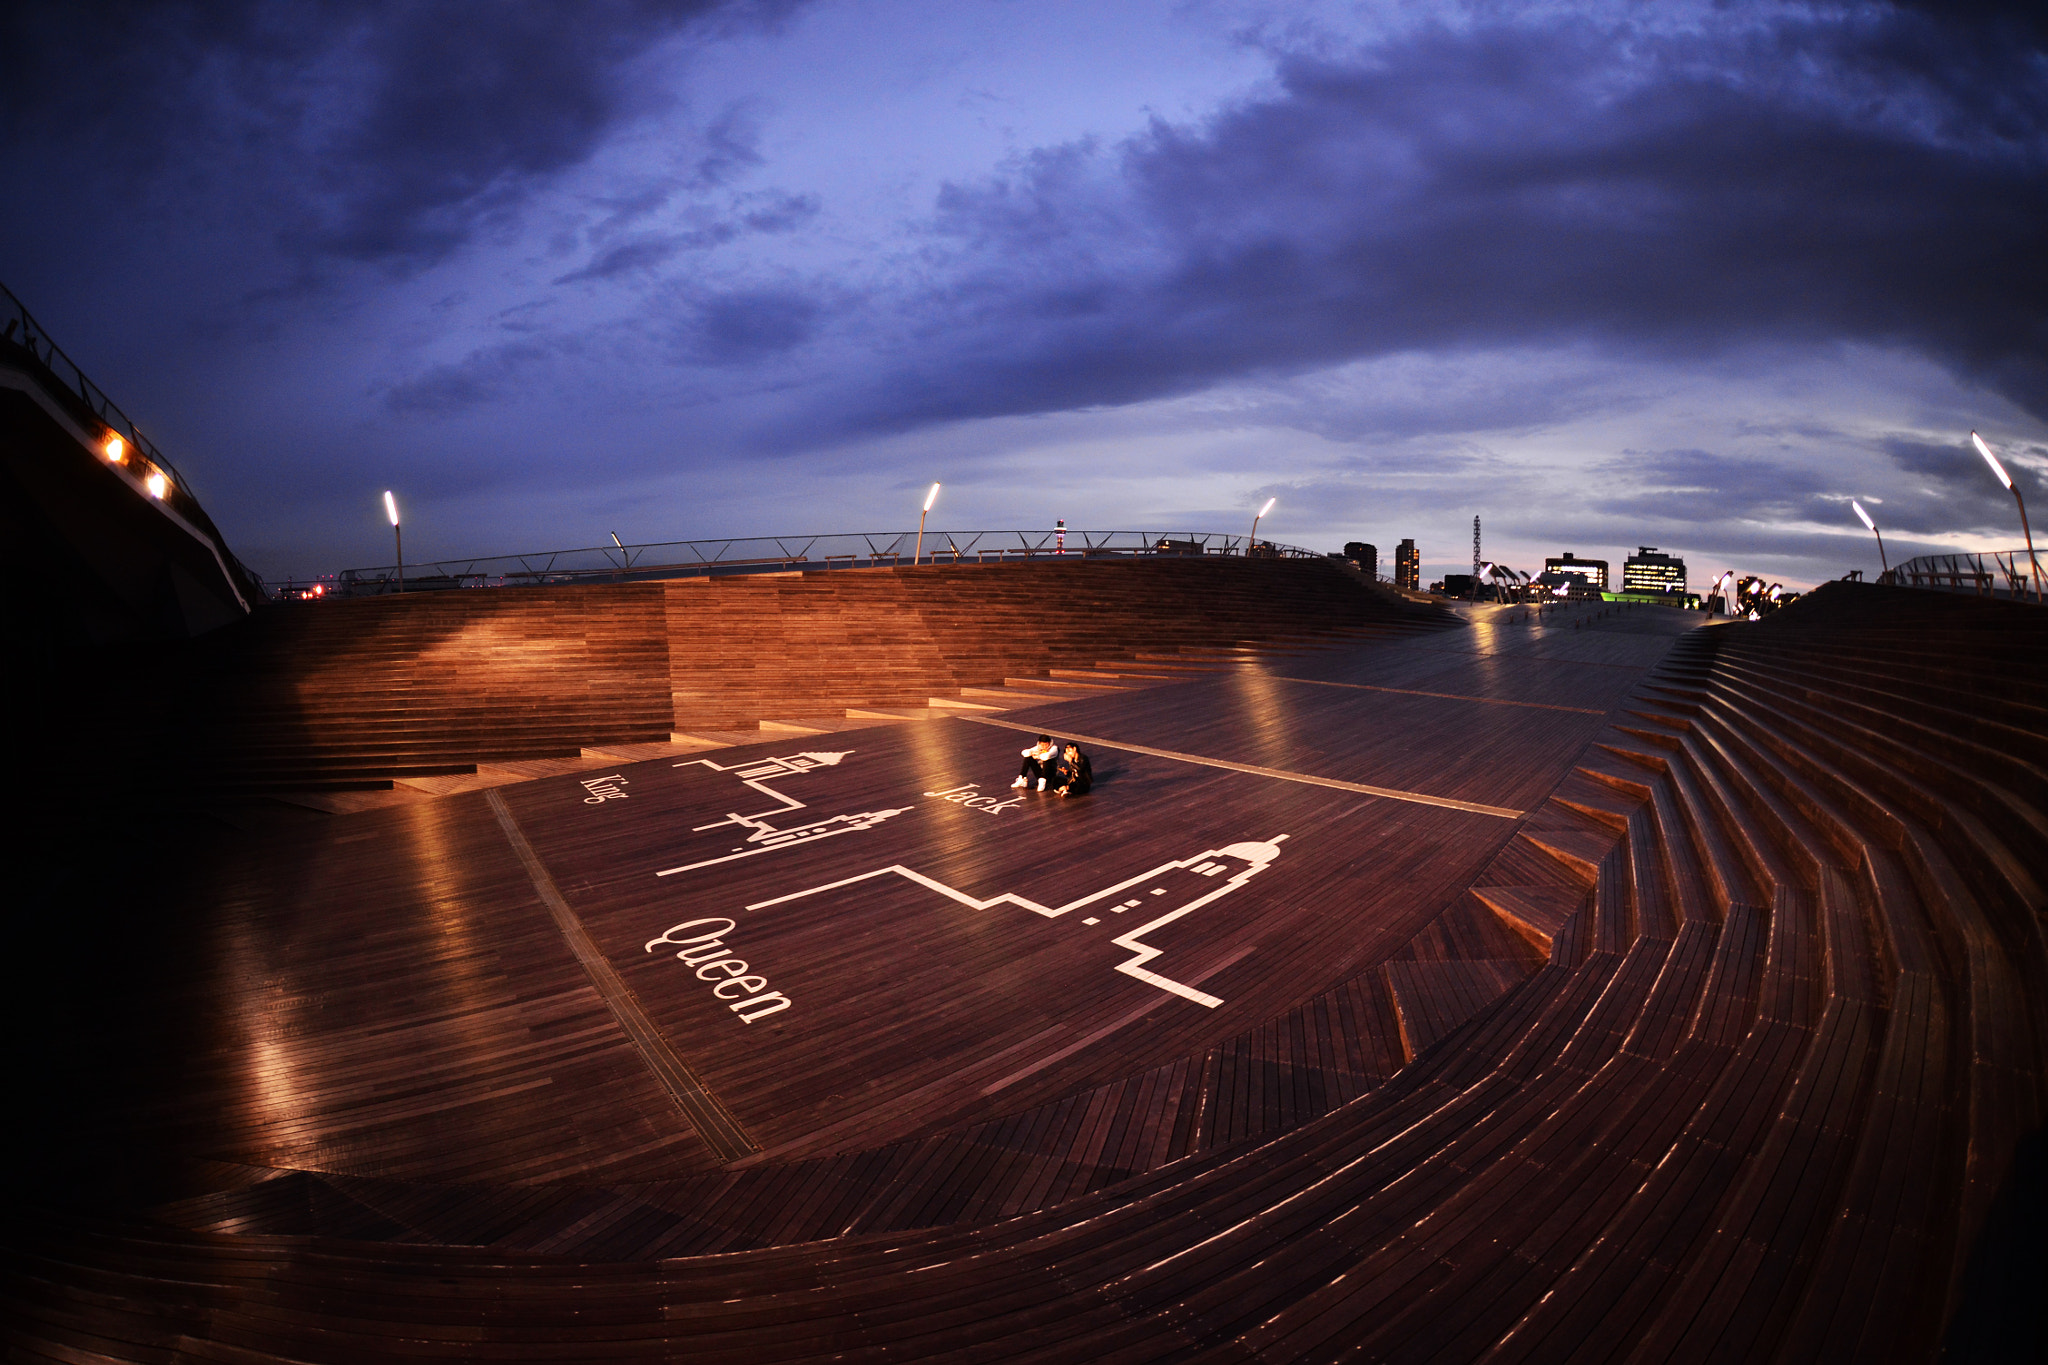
(116, 545)
(1584, 986)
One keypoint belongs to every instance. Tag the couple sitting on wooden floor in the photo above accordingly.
(1069, 773)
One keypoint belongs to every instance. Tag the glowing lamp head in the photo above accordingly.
(1268, 507)
(159, 487)
(391, 507)
(115, 448)
(931, 498)
(1863, 516)
(1992, 460)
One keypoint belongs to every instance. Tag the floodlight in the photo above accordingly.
(2040, 587)
(917, 554)
(1253, 543)
(1991, 459)
(397, 536)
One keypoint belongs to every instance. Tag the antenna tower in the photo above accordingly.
(1475, 551)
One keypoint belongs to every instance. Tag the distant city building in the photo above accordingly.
(1594, 571)
(1648, 571)
(1455, 585)
(1407, 566)
(1574, 584)
(1366, 557)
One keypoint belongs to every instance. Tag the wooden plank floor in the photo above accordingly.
(384, 992)
(1426, 736)
(1729, 1048)
(387, 994)
(912, 1010)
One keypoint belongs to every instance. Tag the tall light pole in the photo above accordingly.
(2014, 489)
(1727, 576)
(1872, 527)
(397, 539)
(929, 498)
(1254, 543)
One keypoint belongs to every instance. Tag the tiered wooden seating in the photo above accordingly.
(1758, 1101)
(354, 693)
(743, 647)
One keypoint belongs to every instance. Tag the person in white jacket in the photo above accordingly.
(1040, 760)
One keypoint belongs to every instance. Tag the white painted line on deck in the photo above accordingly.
(714, 1123)
(1445, 696)
(1415, 798)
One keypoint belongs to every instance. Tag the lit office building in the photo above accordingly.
(1594, 571)
(1407, 566)
(1648, 571)
(1366, 557)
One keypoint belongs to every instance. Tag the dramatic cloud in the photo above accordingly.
(732, 329)
(397, 128)
(1826, 176)
(483, 377)
(762, 211)
(1607, 273)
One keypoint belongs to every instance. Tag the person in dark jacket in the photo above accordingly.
(1076, 774)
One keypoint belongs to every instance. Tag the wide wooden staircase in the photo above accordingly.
(353, 694)
(1764, 1080)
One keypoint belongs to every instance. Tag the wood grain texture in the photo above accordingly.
(1726, 1050)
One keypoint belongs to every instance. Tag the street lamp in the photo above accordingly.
(929, 498)
(397, 539)
(2014, 488)
(1255, 525)
(1872, 527)
(1727, 576)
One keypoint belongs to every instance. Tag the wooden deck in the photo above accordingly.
(357, 694)
(1597, 987)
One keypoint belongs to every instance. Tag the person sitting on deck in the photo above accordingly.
(1040, 761)
(1076, 774)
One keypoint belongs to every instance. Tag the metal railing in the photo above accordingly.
(786, 554)
(24, 341)
(1979, 573)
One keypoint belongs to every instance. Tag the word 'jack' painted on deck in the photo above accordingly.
(1255, 856)
(767, 838)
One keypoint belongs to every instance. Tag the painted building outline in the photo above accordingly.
(765, 837)
(1255, 856)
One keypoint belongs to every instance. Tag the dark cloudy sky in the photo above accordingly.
(1690, 275)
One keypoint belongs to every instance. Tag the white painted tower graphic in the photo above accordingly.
(1178, 888)
(764, 837)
